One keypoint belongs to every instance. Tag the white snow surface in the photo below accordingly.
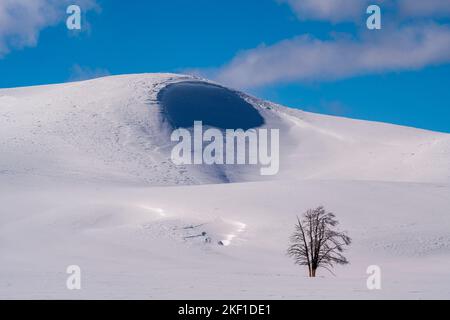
(86, 179)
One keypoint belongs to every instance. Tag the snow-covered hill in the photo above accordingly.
(110, 130)
(86, 179)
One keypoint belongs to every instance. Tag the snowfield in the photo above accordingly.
(86, 179)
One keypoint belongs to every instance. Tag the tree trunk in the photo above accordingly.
(313, 273)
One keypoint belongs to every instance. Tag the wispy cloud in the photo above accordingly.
(306, 58)
(412, 39)
(424, 8)
(336, 11)
(21, 21)
(328, 10)
(79, 73)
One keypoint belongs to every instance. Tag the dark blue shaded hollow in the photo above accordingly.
(216, 106)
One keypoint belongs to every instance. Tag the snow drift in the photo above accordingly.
(86, 179)
(113, 129)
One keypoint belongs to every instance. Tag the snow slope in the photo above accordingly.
(86, 179)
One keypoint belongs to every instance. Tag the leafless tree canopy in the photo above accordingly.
(316, 243)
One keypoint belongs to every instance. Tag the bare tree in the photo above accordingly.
(316, 243)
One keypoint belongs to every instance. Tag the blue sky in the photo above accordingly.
(258, 46)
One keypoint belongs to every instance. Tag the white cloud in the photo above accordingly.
(336, 11)
(329, 10)
(21, 21)
(79, 73)
(307, 59)
(424, 8)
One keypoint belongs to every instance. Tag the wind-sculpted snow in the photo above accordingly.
(86, 179)
(216, 106)
(112, 130)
